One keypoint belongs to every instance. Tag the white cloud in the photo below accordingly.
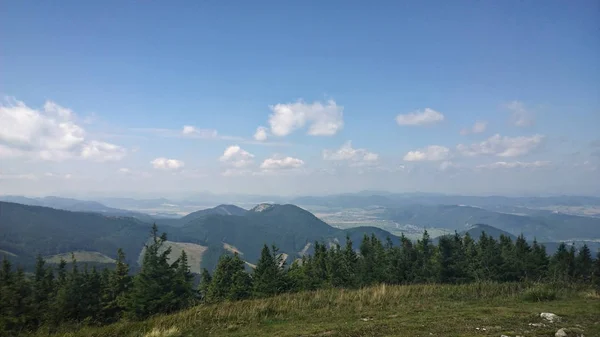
(237, 157)
(502, 146)
(323, 119)
(427, 116)
(48, 134)
(192, 131)
(124, 170)
(448, 165)
(478, 127)
(358, 157)
(430, 153)
(514, 164)
(283, 163)
(101, 151)
(260, 134)
(167, 164)
(520, 116)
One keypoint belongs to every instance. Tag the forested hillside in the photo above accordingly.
(61, 296)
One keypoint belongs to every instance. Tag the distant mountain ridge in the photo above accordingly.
(75, 205)
(26, 231)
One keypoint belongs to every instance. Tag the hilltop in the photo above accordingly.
(415, 310)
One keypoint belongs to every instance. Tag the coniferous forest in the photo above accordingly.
(71, 294)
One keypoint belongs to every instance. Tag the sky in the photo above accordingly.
(129, 98)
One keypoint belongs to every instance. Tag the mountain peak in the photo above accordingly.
(262, 207)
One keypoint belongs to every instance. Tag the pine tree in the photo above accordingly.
(117, 283)
(43, 289)
(471, 258)
(267, 276)
(560, 264)
(584, 265)
(537, 267)
(205, 281)
(425, 259)
(509, 267)
(489, 258)
(337, 268)
(350, 260)
(241, 286)
(152, 291)
(409, 260)
(596, 273)
(230, 280)
(522, 258)
(451, 260)
(183, 287)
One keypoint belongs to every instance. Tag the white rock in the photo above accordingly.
(560, 333)
(550, 317)
(504, 336)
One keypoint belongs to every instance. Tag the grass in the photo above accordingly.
(484, 309)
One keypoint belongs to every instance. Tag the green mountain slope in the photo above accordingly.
(30, 230)
(544, 226)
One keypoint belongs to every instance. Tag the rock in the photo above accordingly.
(537, 325)
(504, 336)
(569, 332)
(550, 317)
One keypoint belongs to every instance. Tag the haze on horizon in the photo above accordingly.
(125, 99)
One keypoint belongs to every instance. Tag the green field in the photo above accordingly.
(480, 309)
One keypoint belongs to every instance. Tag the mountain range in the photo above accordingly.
(52, 226)
(26, 231)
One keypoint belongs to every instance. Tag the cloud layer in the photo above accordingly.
(430, 153)
(500, 146)
(346, 152)
(51, 133)
(167, 164)
(322, 119)
(425, 117)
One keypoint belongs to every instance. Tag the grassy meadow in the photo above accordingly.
(479, 309)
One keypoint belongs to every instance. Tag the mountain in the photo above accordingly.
(370, 198)
(219, 210)
(545, 226)
(75, 205)
(476, 230)
(26, 231)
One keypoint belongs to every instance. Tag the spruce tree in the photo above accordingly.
(241, 284)
(351, 263)
(584, 265)
(43, 289)
(522, 258)
(118, 283)
(509, 267)
(266, 277)
(205, 281)
(425, 259)
(537, 267)
(560, 264)
(183, 287)
(596, 273)
(152, 291)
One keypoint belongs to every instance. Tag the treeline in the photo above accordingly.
(67, 295)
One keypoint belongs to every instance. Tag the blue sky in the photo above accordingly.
(316, 75)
